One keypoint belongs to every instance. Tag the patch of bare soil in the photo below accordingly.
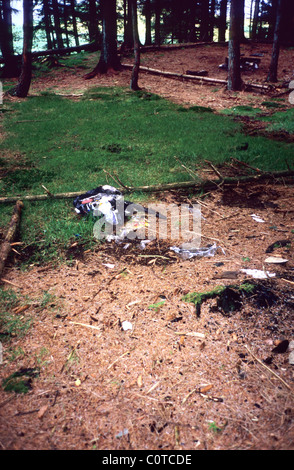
(178, 380)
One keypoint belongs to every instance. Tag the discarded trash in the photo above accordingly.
(275, 260)
(110, 202)
(109, 265)
(258, 274)
(126, 325)
(122, 433)
(257, 218)
(197, 252)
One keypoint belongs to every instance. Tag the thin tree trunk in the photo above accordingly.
(65, 20)
(6, 41)
(24, 82)
(234, 73)
(273, 69)
(204, 21)
(223, 21)
(157, 22)
(135, 71)
(148, 40)
(74, 22)
(255, 20)
(47, 21)
(93, 22)
(57, 24)
(109, 59)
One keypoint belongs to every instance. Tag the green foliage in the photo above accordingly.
(20, 381)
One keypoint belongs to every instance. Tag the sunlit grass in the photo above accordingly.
(65, 145)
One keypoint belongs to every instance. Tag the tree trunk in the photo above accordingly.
(128, 30)
(65, 21)
(204, 21)
(74, 22)
(109, 59)
(223, 21)
(157, 22)
(273, 69)
(234, 73)
(135, 71)
(48, 26)
(57, 24)
(93, 21)
(24, 82)
(6, 41)
(212, 19)
(147, 11)
(255, 20)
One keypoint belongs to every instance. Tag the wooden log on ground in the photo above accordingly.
(275, 176)
(63, 51)
(255, 86)
(10, 235)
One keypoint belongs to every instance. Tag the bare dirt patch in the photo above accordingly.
(177, 380)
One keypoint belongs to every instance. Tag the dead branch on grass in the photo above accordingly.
(10, 235)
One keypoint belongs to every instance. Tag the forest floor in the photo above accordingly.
(218, 379)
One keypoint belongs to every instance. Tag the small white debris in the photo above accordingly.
(275, 260)
(126, 325)
(257, 218)
(258, 274)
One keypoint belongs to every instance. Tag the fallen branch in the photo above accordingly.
(204, 184)
(199, 78)
(267, 368)
(10, 235)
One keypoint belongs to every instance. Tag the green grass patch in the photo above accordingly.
(20, 381)
(242, 110)
(65, 144)
(11, 324)
(282, 121)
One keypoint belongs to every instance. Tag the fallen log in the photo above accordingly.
(276, 176)
(62, 51)
(10, 235)
(199, 78)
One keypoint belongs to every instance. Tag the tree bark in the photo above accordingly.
(223, 21)
(57, 24)
(234, 72)
(6, 41)
(147, 11)
(74, 22)
(255, 20)
(24, 82)
(109, 59)
(273, 69)
(135, 71)
(204, 21)
(157, 22)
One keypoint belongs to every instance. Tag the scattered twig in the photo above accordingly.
(86, 325)
(120, 357)
(268, 369)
